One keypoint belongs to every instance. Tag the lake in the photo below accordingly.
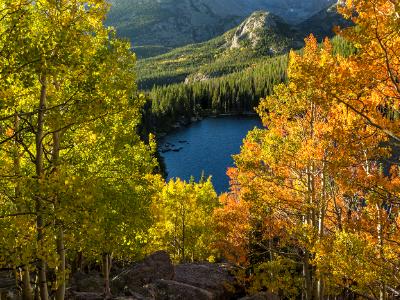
(206, 146)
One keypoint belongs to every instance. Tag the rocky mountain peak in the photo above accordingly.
(261, 29)
(250, 30)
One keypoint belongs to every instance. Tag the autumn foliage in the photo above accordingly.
(321, 181)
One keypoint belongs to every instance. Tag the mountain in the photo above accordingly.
(292, 11)
(322, 23)
(261, 29)
(156, 26)
(262, 34)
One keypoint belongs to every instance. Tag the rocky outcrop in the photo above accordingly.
(262, 30)
(174, 290)
(156, 278)
(197, 77)
(7, 286)
(89, 283)
(214, 278)
(154, 267)
(85, 296)
(251, 29)
(261, 296)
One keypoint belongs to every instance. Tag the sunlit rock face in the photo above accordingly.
(262, 29)
(174, 23)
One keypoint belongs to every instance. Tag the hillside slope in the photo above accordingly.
(262, 34)
(322, 23)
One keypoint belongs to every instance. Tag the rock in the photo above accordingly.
(86, 296)
(154, 267)
(8, 295)
(257, 29)
(7, 283)
(214, 278)
(7, 286)
(262, 296)
(135, 296)
(197, 77)
(173, 290)
(92, 282)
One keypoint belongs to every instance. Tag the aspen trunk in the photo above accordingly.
(39, 173)
(321, 223)
(27, 292)
(183, 238)
(183, 231)
(17, 160)
(106, 273)
(382, 291)
(61, 278)
(309, 221)
(307, 276)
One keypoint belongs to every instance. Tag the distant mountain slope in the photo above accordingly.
(292, 11)
(322, 23)
(262, 34)
(158, 25)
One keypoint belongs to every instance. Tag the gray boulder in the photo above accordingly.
(262, 296)
(154, 267)
(135, 296)
(214, 278)
(90, 283)
(86, 296)
(173, 290)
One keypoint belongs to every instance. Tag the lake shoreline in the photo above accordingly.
(206, 147)
(186, 122)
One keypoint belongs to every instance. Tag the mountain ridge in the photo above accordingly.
(159, 25)
(322, 23)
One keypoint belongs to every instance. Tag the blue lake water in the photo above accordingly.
(207, 146)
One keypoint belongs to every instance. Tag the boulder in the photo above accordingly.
(91, 283)
(173, 290)
(7, 286)
(8, 295)
(86, 296)
(215, 278)
(154, 267)
(261, 296)
(135, 296)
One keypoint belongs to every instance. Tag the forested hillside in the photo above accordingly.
(259, 36)
(238, 92)
(313, 210)
(230, 73)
